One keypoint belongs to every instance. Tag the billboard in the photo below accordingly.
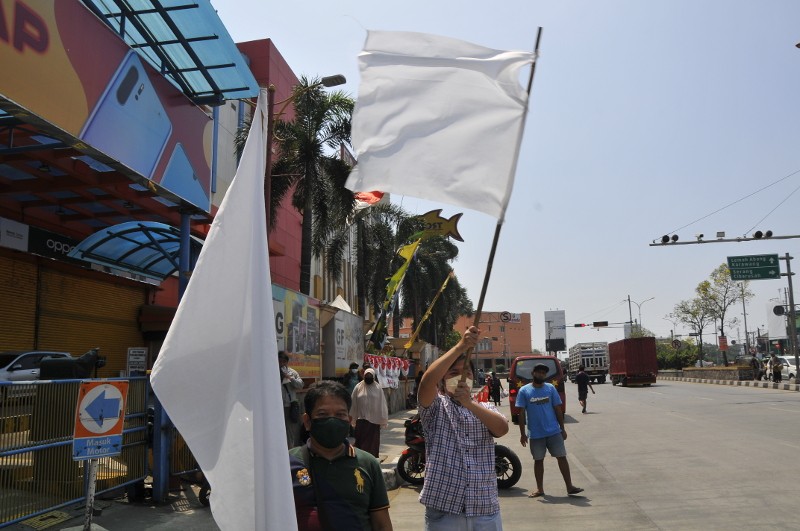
(297, 329)
(73, 72)
(555, 330)
(346, 333)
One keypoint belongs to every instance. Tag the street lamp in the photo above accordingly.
(639, 306)
(327, 81)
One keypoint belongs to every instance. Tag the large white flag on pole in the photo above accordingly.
(217, 373)
(438, 118)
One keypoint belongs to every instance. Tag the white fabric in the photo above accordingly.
(438, 118)
(369, 402)
(217, 373)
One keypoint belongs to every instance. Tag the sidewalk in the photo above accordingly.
(183, 510)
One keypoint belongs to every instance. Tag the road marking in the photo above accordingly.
(703, 398)
(789, 445)
(574, 459)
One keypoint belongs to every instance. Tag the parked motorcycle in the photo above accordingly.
(411, 465)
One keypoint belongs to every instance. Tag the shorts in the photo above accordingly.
(553, 443)
(583, 396)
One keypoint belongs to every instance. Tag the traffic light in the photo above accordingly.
(598, 324)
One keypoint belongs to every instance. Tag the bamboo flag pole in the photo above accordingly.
(500, 221)
(413, 338)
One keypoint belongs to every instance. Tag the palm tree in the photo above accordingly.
(374, 231)
(307, 168)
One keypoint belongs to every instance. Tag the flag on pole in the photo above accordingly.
(428, 312)
(217, 373)
(438, 118)
(379, 330)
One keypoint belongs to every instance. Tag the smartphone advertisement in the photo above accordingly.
(74, 72)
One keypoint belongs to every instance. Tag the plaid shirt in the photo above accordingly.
(459, 469)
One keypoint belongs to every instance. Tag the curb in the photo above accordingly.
(739, 383)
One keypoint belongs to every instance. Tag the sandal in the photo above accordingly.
(574, 490)
(536, 494)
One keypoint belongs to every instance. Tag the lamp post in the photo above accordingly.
(639, 307)
(272, 116)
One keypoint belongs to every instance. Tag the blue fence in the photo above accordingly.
(37, 472)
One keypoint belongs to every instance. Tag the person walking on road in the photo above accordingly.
(541, 414)
(350, 379)
(460, 489)
(494, 390)
(582, 379)
(777, 368)
(369, 412)
(336, 486)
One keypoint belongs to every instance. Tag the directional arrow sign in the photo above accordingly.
(754, 267)
(99, 419)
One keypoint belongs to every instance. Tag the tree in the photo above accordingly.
(719, 293)
(306, 168)
(696, 314)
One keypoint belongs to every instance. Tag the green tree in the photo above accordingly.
(696, 314)
(719, 293)
(451, 340)
(307, 168)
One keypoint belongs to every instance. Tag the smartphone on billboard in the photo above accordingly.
(180, 178)
(129, 123)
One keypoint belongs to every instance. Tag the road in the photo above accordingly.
(676, 455)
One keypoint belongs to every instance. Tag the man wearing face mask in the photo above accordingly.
(460, 490)
(336, 486)
(541, 407)
(369, 412)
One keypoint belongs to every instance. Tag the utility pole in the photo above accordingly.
(792, 328)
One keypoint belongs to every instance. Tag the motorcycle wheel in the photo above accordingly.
(507, 466)
(411, 467)
(204, 496)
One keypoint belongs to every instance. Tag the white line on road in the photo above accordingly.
(583, 469)
(703, 398)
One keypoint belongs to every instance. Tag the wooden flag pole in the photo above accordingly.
(490, 262)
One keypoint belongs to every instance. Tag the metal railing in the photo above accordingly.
(37, 471)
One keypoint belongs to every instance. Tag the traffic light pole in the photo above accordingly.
(792, 328)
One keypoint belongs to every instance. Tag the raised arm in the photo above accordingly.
(429, 384)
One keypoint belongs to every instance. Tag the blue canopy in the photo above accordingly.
(147, 248)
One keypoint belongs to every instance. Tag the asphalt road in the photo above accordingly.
(676, 455)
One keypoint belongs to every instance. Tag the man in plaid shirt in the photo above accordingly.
(460, 490)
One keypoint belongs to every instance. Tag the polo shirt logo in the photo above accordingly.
(541, 400)
(359, 481)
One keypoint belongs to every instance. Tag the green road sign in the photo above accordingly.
(754, 267)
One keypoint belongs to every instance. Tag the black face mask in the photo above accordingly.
(330, 432)
(369, 379)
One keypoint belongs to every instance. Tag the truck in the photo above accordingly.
(594, 358)
(633, 361)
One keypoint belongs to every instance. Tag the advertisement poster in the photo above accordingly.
(108, 99)
(346, 333)
(297, 328)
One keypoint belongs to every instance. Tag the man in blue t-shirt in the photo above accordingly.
(541, 408)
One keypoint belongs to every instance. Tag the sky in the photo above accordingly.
(646, 118)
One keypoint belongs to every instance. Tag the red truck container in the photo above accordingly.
(633, 361)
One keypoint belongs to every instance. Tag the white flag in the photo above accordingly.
(438, 118)
(217, 373)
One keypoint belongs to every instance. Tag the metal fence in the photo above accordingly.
(37, 472)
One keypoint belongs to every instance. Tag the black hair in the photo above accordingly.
(282, 355)
(325, 388)
(354, 365)
(581, 368)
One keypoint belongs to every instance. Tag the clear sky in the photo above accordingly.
(645, 116)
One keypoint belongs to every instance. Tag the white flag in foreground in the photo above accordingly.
(438, 118)
(217, 373)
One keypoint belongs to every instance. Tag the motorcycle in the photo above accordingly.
(411, 465)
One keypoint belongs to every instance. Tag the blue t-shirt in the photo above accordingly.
(538, 403)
